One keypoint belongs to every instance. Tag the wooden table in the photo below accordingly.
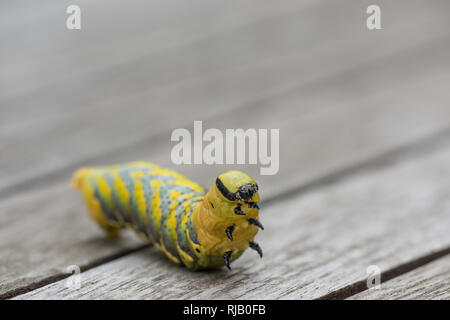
(364, 119)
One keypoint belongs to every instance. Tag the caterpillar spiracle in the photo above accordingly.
(193, 227)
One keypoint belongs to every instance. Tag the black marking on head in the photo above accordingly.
(238, 211)
(255, 222)
(226, 259)
(253, 205)
(211, 204)
(197, 249)
(256, 247)
(244, 192)
(225, 192)
(229, 232)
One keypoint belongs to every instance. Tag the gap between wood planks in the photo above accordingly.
(60, 276)
(361, 286)
(415, 149)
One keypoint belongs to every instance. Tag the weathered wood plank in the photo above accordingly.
(333, 129)
(431, 281)
(314, 243)
(90, 117)
(112, 34)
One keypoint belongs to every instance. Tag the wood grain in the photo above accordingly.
(314, 243)
(334, 129)
(42, 233)
(345, 100)
(431, 281)
(104, 109)
(112, 35)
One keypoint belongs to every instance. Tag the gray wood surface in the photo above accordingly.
(309, 251)
(352, 134)
(431, 281)
(364, 132)
(83, 115)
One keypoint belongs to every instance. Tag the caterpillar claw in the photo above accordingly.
(238, 211)
(226, 259)
(255, 222)
(229, 232)
(256, 247)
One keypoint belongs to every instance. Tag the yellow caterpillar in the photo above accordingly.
(198, 229)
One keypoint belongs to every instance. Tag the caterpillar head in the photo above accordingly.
(232, 193)
(234, 197)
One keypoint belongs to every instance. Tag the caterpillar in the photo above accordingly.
(198, 229)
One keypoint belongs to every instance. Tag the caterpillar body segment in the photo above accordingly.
(191, 226)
